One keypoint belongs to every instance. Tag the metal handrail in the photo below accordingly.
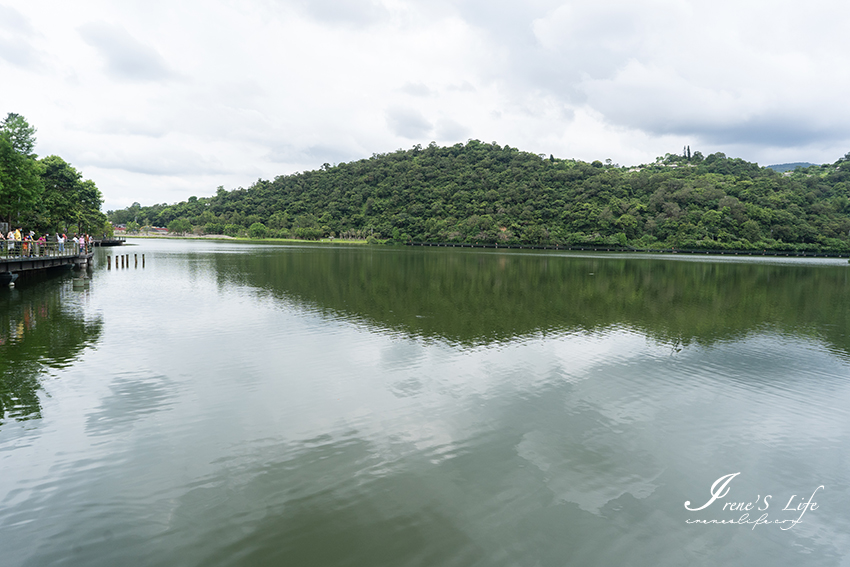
(20, 249)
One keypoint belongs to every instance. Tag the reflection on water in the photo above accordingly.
(267, 405)
(41, 327)
(473, 297)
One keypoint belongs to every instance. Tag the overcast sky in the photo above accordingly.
(160, 100)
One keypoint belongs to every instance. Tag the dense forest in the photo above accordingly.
(486, 193)
(47, 194)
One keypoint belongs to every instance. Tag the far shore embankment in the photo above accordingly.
(244, 238)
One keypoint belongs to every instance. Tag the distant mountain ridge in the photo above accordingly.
(783, 167)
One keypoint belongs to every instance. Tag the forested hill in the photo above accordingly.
(478, 192)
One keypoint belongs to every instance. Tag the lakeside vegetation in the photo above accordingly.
(45, 195)
(486, 193)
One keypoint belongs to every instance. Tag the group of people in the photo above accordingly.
(22, 244)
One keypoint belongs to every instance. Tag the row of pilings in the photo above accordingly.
(123, 261)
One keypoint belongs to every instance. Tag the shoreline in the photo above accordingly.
(492, 246)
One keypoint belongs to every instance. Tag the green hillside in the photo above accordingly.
(485, 193)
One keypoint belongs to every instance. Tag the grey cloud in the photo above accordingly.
(506, 21)
(576, 50)
(357, 12)
(15, 34)
(312, 156)
(19, 53)
(464, 87)
(14, 21)
(450, 131)
(150, 128)
(168, 162)
(126, 57)
(552, 45)
(416, 89)
(772, 131)
(408, 123)
(670, 106)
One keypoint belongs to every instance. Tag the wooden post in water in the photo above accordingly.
(143, 260)
(136, 260)
(109, 262)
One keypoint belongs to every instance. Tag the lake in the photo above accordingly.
(263, 404)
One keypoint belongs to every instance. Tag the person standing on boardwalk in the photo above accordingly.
(60, 238)
(10, 241)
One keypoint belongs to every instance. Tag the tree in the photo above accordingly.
(21, 134)
(258, 230)
(20, 180)
(45, 194)
(89, 216)
(68, 199)
(60, 202)
(179, 226)
(751, 231)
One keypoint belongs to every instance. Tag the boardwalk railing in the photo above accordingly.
(17, 249)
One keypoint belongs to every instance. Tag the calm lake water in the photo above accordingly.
(235, 404)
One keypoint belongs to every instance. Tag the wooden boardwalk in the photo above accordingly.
(115, 241)
(16, 262)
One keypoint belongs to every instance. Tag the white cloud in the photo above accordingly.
(158, 100)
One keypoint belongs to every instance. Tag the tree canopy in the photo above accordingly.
(20, 133)
(43, 194)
